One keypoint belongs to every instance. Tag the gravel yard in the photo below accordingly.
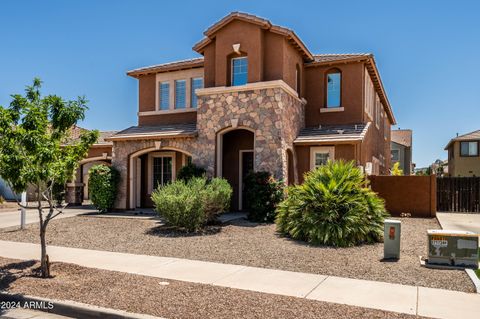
(142, 294)
(251, 244)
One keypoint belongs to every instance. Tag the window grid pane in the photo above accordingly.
(164, 95)
(321, 159)
(196, 84)
(333, 89)
(157, 172)
(239, 71)
(167, 170)
(180, 88)
(395, 155)
(473, 149)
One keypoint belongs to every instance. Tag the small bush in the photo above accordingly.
(217, 195)
(190, 205)
(190, 171)
(2, 200)
(263, 193)
(102, 186)
(332, 207)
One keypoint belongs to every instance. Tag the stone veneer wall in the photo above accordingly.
(123, 149)
(272, 113)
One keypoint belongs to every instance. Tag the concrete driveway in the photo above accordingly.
(459, 221)
(12, 218)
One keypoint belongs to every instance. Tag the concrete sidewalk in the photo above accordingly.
(436, 303)
(459, 221)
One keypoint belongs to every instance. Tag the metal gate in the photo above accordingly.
(458, 194)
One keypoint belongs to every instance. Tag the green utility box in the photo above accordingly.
(391, 239)
(453, 248)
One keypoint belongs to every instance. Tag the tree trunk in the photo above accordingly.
(44, 261)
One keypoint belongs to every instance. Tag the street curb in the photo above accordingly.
(473, 276)
(74, 309)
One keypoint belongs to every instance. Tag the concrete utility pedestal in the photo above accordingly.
(391, 245)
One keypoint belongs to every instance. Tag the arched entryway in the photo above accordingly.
(151, 167)
(83, 176)
(235, 159)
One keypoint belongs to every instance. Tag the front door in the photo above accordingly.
(246, 166)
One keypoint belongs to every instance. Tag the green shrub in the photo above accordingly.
(217, 195)
(2, 200)
(191, 204)
(332, 207)
(190, 171)
(263, 193)
(102, 186)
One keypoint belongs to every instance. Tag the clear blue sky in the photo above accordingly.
(428, 52)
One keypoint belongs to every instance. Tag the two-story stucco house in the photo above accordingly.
(464, 155)
(256, 99)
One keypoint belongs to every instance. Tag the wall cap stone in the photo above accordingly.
(249, 87)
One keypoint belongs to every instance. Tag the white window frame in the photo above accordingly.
(231, 68)
(322, 150)
(150, 167)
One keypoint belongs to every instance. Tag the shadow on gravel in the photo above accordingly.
(9, 273)
(173, 232)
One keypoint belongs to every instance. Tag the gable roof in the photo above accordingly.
(369, 60)
(333, 133)
(156, 131)
(76, 131)
(472, 136)
(402, 137)
(335, 57)
(166, 67)
(263, 23)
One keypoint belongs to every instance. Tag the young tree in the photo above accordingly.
(35, 149)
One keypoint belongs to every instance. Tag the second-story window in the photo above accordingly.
(180, 92)
(197, 83)
(469, 148)
(164, 95)
(334, 83)
(239, 71)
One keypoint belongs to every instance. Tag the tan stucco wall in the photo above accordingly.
(463, 166)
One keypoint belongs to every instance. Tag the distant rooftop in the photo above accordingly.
(402, 137)
(472, 136)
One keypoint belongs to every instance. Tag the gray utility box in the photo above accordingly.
(391, 239)
(453, 248)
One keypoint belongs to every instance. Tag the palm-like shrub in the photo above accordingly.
(332, 207)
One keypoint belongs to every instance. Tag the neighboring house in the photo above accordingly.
(401, 150)
(463, 155)
(257, 99)
(99, 153)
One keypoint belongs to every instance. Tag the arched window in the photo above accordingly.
(333, 88)
(298, 79)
